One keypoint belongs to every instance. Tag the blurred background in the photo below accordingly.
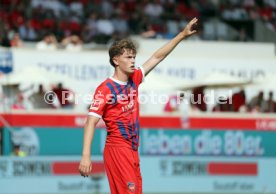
(207, 111)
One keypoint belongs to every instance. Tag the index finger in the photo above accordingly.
(194, 21)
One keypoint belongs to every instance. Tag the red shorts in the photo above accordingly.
(122, 166)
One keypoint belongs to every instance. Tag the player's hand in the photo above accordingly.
(85, 166)
(188, 30)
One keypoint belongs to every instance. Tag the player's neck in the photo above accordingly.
(118, 75)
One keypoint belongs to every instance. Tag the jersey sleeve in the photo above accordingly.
(99, 102)
(138, 76)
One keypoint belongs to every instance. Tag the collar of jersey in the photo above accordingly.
(118, 81)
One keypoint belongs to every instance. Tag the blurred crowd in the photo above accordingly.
(36, 97)
(197, 100)
(238, 102)
(73, 22)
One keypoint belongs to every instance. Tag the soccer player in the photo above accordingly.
(116, 102)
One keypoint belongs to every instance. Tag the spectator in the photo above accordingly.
(266, 12)
(28, 32)
(4, 41)
(222, 106)
(37, 99)
(249, 3)
(269, 105)
(242, 36)
(173, 103)
(107, 8)
(134, 23)
(105, 30)
(9, 94)
(169, 10)
(238, 100)
(198, 98)
(35, 17)
(90, 29)
(234, 12)
(76, 7)
(16, 41)
(153, 9)
(253, 13)
(19, 103)
(256, 102)
(271, 3)
(72, 43)
(147, 29)
(120, 25)
(64, 96)
(17, 152)
(49, 42)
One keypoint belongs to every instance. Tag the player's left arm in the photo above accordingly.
(164, 51)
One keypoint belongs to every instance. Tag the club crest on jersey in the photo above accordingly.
(131, 186)
(95, 105)
(122, 97)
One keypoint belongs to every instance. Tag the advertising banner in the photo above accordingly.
(164, 175)
(6, 61)
(153, 142)
(89, 68)
(232, 121)
(51, 141)
(208, 175)
(182, 63)
(208, 143)
(37, 175)
(1, 140)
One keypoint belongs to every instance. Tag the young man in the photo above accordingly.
(116, 102)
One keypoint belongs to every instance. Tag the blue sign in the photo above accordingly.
(6, 61)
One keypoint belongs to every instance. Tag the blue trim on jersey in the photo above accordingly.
(133, 145)
(122, 129)
(126, 89)
(132, 84)
(110, 86)
(132, 135)
(137, 125)
(119, 88)
(137, 130)
(130, 129)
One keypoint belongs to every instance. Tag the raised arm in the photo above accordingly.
(85, 166)
(163, 52)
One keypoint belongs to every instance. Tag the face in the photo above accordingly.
(125, 62)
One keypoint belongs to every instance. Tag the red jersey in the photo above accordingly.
(116, 102)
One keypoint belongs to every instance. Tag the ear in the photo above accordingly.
(115, 61)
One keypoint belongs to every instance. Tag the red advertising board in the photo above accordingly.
(202, 121)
